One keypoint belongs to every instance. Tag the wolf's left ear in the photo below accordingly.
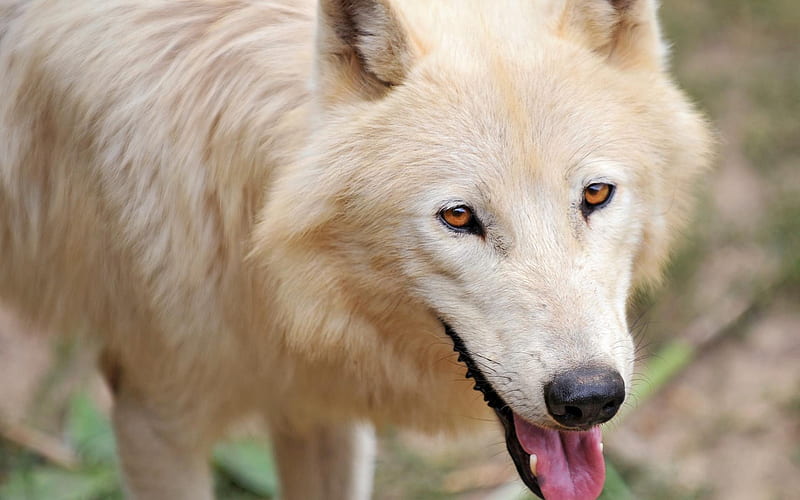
(625, 31)
(363, 47)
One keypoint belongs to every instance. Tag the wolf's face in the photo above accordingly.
(516, 185)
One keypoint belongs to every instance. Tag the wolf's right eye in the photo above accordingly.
(461, 218)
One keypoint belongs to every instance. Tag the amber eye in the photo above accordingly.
(597, 194)
(461, 218)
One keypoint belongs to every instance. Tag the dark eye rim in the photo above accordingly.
(474, 226)
(588, 208)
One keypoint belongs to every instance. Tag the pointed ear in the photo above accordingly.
(362, 46)
(625, 31)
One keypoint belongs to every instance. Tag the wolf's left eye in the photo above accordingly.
(461, 218)
(596, 195)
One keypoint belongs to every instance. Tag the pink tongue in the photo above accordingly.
(570, 465)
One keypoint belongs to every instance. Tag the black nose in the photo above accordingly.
(585, 397)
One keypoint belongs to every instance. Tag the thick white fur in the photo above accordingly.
(240, 203)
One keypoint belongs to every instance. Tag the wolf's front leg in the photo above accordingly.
(158, 458)
(332, 462)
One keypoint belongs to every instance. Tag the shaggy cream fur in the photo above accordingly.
(240, 199)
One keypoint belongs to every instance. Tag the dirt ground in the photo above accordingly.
(727, 424)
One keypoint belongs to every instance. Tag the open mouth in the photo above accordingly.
(553, 464)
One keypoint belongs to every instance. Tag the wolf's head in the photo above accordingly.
(513, 169)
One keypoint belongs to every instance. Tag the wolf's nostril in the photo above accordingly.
(585, 397)
(573, 412)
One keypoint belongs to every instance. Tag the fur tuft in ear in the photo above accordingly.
(362, 42)
(625, 31)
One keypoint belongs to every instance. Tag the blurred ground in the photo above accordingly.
(728, 427)
(727, 424)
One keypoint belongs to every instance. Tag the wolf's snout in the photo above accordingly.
(585, 396)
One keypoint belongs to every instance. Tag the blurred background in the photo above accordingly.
(716, 409)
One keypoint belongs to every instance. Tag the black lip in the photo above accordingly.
(520, 457)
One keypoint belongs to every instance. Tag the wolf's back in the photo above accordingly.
(136, 142)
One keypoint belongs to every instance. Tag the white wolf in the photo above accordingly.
(298, 210)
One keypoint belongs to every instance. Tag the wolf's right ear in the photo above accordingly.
(363, 48)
